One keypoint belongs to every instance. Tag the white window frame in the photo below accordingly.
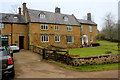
(90, 28)
(45, 27)
(91, 38)
(81, 28)
(56, 27)
(58, 40)
(42, 16)
(71, 38)
(65, 18)
(69, 28)
(43, 38)
(2, 26)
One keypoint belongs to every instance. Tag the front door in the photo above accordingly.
(5, 41)
(21, 42)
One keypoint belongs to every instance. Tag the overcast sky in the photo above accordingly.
(80, 8)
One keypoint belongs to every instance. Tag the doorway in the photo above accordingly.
(21, 42)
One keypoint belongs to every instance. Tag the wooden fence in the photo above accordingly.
(64, 57)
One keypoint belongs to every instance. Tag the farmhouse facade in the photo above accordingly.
(37, 27)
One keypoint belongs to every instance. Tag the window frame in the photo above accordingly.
(45, 27)
(43, 38)
(57, 39)
(81, 28)
(42, 16)
(2, 25)
(90, 28)
(72, 39)
(69, 28)
(57, 29)
(91, 38)
(65, 18)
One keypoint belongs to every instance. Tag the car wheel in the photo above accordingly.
(12, 75)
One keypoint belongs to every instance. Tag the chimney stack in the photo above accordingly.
(89, 16)
(19, 10)
(57, 10)
(24, 8)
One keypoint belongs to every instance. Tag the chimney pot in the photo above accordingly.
(57, 10)
(19, 10)
(24, 8)
(89, 16)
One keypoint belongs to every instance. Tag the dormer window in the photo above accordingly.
(65, 18)
(42, 15)
(15, 17)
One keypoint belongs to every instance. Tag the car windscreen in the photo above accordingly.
(3, 53)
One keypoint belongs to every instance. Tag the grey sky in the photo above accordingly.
(80, 8)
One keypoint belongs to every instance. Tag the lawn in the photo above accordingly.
(105, 46)
(88, 68)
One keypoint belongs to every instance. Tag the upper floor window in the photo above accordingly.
(56, 27)
(57, 38)
(65, 18)
(42, 15)
(45, 38)
(69, 28)
(91, 38)
(44, 27)
(69, 39)
(1, 25)
(90, 27)
(81, 28)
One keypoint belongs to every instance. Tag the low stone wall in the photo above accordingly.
(98, 59)
(64, 57)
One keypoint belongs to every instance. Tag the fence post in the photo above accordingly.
(55, 55)
(67, 59)
(44, 53)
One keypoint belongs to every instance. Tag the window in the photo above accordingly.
(57, 38)
(56, 27)
(65, 18)
(90, 27)
(1, 25)
(81, 28)
(15, 18)
(42, 15)
(44, 27)
(69, 39)
(45, 38)
(91, 38)
(69, 28)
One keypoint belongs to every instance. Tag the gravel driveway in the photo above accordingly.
(29, 65)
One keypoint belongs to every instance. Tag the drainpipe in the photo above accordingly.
(11, 32)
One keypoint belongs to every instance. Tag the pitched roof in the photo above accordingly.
(86, 22)
(12, 18)
(51, 17)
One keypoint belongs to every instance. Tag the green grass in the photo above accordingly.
(88, 68)
(102, 49)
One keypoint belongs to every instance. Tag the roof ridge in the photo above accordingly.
(50, 12)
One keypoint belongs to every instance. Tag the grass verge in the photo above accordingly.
(88, 68)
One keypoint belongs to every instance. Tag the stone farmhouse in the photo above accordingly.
(38, 27)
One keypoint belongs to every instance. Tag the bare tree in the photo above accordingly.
(109, 28)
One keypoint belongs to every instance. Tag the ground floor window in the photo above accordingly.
(91, 38)
(69, 39)
(45, 38)
(57, 38)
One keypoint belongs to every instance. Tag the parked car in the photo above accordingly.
(6, 63)
(14, 47)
